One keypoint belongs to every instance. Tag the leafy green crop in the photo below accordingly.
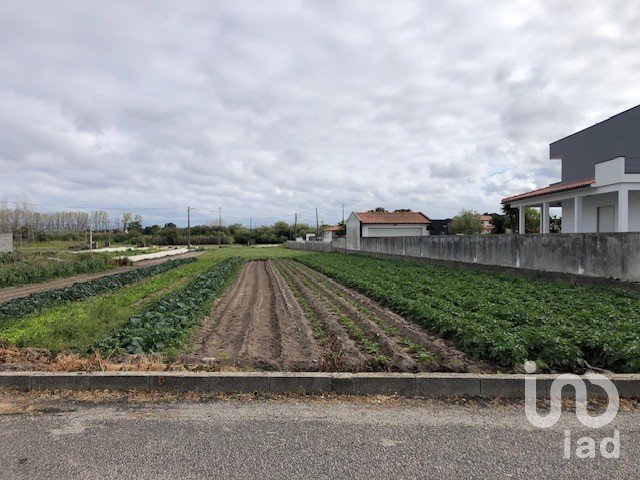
(164, 324)
(22, 269)
(21, 307)
(504, 318)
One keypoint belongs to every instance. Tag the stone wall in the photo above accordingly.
(311, 246)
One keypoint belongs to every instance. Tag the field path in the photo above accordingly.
(10, 293)
(258, 323)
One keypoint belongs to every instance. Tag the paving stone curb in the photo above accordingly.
(421, 384)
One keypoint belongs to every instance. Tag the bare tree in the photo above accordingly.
(126, 220)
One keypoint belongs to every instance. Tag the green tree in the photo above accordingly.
(378, 209)
(532, 220)
(510, 217)
(499, 223)
(467, 222)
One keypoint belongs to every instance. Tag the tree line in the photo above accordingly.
(27, 224)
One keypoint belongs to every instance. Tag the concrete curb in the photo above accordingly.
(421, 384)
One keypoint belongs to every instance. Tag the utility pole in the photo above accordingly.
(188, 228)
(295, 227)
(219, 225)
(343, 205)
(90, 235)
(317, 225)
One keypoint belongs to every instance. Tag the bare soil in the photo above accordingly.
(259, 324)
(10, 293)
(281, 315)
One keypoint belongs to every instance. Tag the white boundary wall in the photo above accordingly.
(604, 255)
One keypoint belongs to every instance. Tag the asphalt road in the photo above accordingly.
(297, 439)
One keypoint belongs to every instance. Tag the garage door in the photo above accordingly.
(395, 232)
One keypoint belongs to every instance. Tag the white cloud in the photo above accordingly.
(271, 108)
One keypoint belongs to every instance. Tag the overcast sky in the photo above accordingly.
(268, 108)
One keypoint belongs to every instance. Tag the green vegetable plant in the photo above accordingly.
(503, 318)
(164, 325)
(22, 307)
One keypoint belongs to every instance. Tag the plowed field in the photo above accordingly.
(282, 315)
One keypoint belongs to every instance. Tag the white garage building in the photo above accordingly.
(385, 224)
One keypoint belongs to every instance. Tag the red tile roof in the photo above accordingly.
(392, 217)
(559, 187)
(333, 229)
(485, 218)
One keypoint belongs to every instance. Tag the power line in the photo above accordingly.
(238, 216)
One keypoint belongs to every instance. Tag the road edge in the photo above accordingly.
(403, 384)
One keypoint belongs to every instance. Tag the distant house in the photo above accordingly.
(385, 224)
(330, 233)
(600, 186)
(487, 223)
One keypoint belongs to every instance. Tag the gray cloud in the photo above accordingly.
(271, 108)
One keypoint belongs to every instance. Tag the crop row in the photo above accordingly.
(506, 319)
(21, 269)
(163, 325)
(21, 307)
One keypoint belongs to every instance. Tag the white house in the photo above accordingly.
(329, 233)
(385, 224)
(600, 186)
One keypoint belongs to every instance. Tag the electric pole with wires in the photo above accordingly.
(188, 228)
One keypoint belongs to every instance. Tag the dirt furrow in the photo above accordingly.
(256, 325)
(224, 329)
(398, 358)
(297, 342)
(448, 357)
(260, 342)
(350, 358)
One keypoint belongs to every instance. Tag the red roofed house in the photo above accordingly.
(600, 186)
(385, 224)
(487, 223)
